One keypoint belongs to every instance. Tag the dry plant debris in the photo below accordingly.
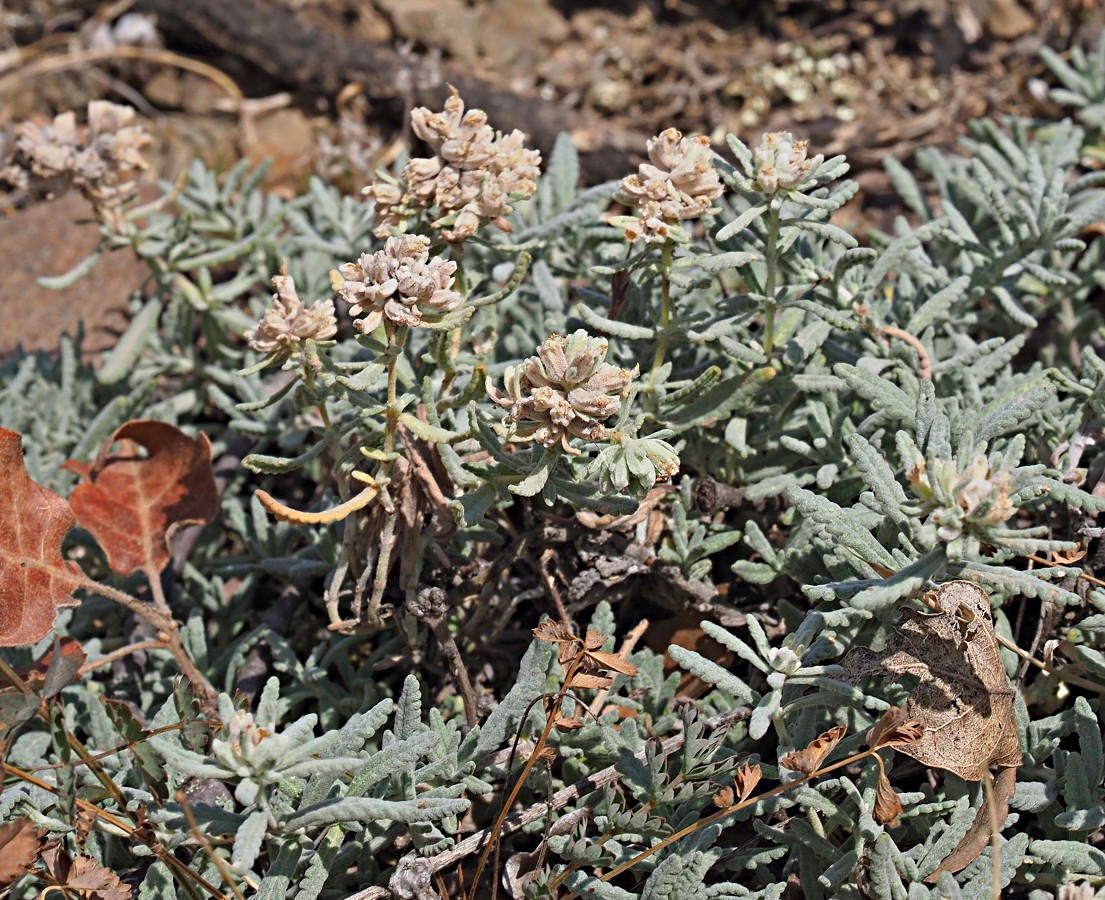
(34, 579)
(133, 503)
(964, 701)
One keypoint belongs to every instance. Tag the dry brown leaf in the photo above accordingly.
(35, 582)
(978, 836)
(894, 729)
(94, 882)
(555, 632)
(746, 778)
(613, 661)
(19, 842)
(723, 799)
(583, 680)
(964, 701)
(888, 805)
(133, 503)
(809, 760)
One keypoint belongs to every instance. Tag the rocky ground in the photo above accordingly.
(320, 84)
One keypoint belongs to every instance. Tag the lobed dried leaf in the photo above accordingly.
(132, 504)
(35, 581)
(593, 662)
(809, 760)
(746, 778)
(81, 876)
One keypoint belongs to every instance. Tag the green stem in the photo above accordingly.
(665, 320)
(769, 284)
(397, 336)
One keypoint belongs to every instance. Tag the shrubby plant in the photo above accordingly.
(870, 470)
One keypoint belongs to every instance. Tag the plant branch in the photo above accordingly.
(169, 629)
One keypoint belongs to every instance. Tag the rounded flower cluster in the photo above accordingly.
(780, 163)
(678, 182)
(289, 322)
(400, 283)
(957, 501)
(472, 177)
(567, 390)
(100, 159)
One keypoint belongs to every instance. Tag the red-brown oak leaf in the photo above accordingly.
(35, 581)
(132, 503)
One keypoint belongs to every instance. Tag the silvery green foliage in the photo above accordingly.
(1082, 80)
(894, 416)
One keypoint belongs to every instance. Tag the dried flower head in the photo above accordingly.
(400, 283)
(678, 182)
(100, 159)
(473, 176)
(780, 163)
(567, 390)
(955, 501)
(288, 322)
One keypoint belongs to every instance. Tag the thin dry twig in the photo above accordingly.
(61, 62)
(108, 658)
(924, 363)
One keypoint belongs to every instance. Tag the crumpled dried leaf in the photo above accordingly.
(132, 504)
(809, 760)
(888, 805)
(19, 842)
(964, 701)
(894, 729)
(35, 581)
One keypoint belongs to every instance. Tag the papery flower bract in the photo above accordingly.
(779, 163)
(100, 159)
(400, 283)
(289, 322)
(955, 501)
(678, 182)
(567, 390)
(473, 176)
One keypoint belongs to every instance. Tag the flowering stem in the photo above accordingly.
(397, 336)
(769, 283)
(665, 320)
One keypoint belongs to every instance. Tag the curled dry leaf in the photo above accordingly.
(809, 760)
(19, 842)
(35, 581)
(133, 503)
(723, 799)
(894, 729)
(964, 702)
(888, 805)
